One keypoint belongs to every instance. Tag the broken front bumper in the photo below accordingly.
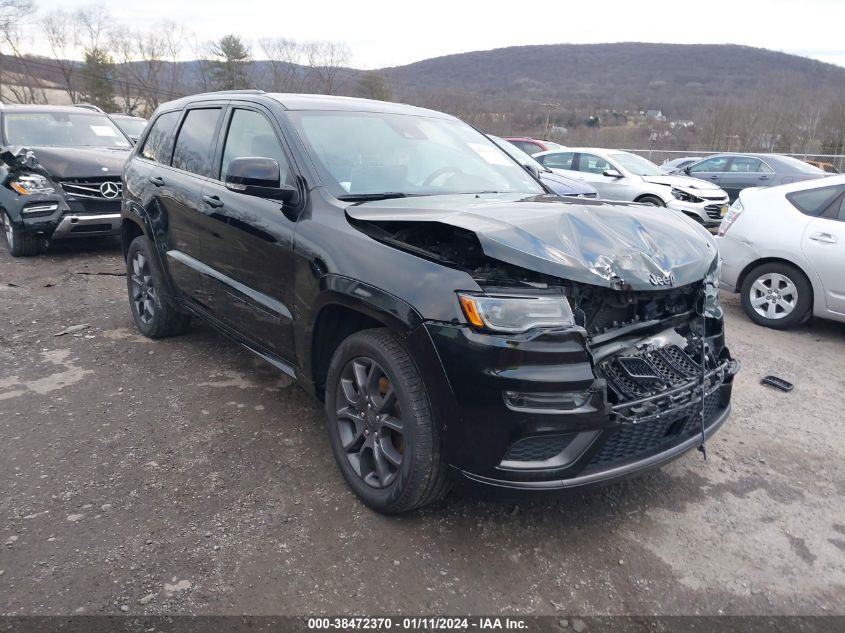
(709, 212)
(532, 412)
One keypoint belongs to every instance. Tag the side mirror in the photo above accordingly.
(611, 173)
(687, 170)
(532, 169)
(258, 176)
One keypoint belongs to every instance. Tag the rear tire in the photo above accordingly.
(153, 309)
(777, 295)
(18, 243)
(382, 431)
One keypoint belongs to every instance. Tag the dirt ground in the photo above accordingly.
(185, 476)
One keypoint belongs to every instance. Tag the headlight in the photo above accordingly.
(683, 196)
(515, 314)
(712, 303)
(30, 184)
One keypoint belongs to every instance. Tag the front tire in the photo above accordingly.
(382, 431)
(153, 309)
(777, 295)
(18, 243)
(651, 200)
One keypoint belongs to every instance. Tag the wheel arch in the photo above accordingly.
(130, 228)
(345, 307)
(740, 280)
(650, 194)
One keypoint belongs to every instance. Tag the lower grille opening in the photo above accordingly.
(538, 448)
(91, 228)
(638, 441)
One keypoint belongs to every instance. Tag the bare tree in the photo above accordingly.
(283, 57)
(325, 60)
(61, 31)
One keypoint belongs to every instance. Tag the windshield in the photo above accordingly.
(517, 154)
(62, 129)
(637, 165)
(131, 127)
(372, 153)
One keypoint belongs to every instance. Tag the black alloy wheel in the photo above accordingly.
(142, 288)
(369, 422)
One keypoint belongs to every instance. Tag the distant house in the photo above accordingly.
(654, 115)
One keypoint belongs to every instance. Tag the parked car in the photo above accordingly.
(735, 172)
(60, 171)
(621, 175)
(676, 165)
(783, 251)
(129, 124)
(532, 146)
(560, 185)
(458, 322)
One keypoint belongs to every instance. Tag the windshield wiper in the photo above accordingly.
(385, 195)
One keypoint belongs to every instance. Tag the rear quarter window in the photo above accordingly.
(157, 144)
(814, 202)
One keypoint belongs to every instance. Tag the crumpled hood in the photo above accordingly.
(616, 245)
(81, 162)
(682, 182)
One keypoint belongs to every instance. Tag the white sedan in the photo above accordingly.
(619, 175)
(783, 250)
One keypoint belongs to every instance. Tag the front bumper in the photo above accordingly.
(709, 212)
(494, 439)
(70, 218)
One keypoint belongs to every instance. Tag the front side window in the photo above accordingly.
(158, 140)
(251, 134)
(372, 153)
(196, 138)
(710, 165)
(592, 164)
(814, 202)
(558, 160)
(62, 129)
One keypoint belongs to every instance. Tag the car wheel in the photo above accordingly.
(777, 295)
(152, 307)
(652, 200)
(383, 435)
(18, 243)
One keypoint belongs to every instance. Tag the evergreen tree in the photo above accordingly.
(97, 77)
(230, 70)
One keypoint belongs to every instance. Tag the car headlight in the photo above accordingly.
(712, 303)
(683, 196)
(516, 314)
(30, 184)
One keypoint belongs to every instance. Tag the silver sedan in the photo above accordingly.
(783, 249)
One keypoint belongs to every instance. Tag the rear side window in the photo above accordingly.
(528, 147)
(196, 138)
(158, 140)
(560, 160)
(814, 202)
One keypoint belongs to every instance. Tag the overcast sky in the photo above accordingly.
(387, 33)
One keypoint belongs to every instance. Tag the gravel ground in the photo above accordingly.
(185, 476)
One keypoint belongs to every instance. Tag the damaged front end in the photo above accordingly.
(43, 204)
(635, 374)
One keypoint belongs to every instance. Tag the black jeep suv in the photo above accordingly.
(59, 174)
(458, 321)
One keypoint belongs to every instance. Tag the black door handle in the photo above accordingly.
(158, 181)
(213, 201)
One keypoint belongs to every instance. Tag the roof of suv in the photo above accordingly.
(312, 102)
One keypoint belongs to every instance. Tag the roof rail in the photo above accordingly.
(89, 106)
(249, 91)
